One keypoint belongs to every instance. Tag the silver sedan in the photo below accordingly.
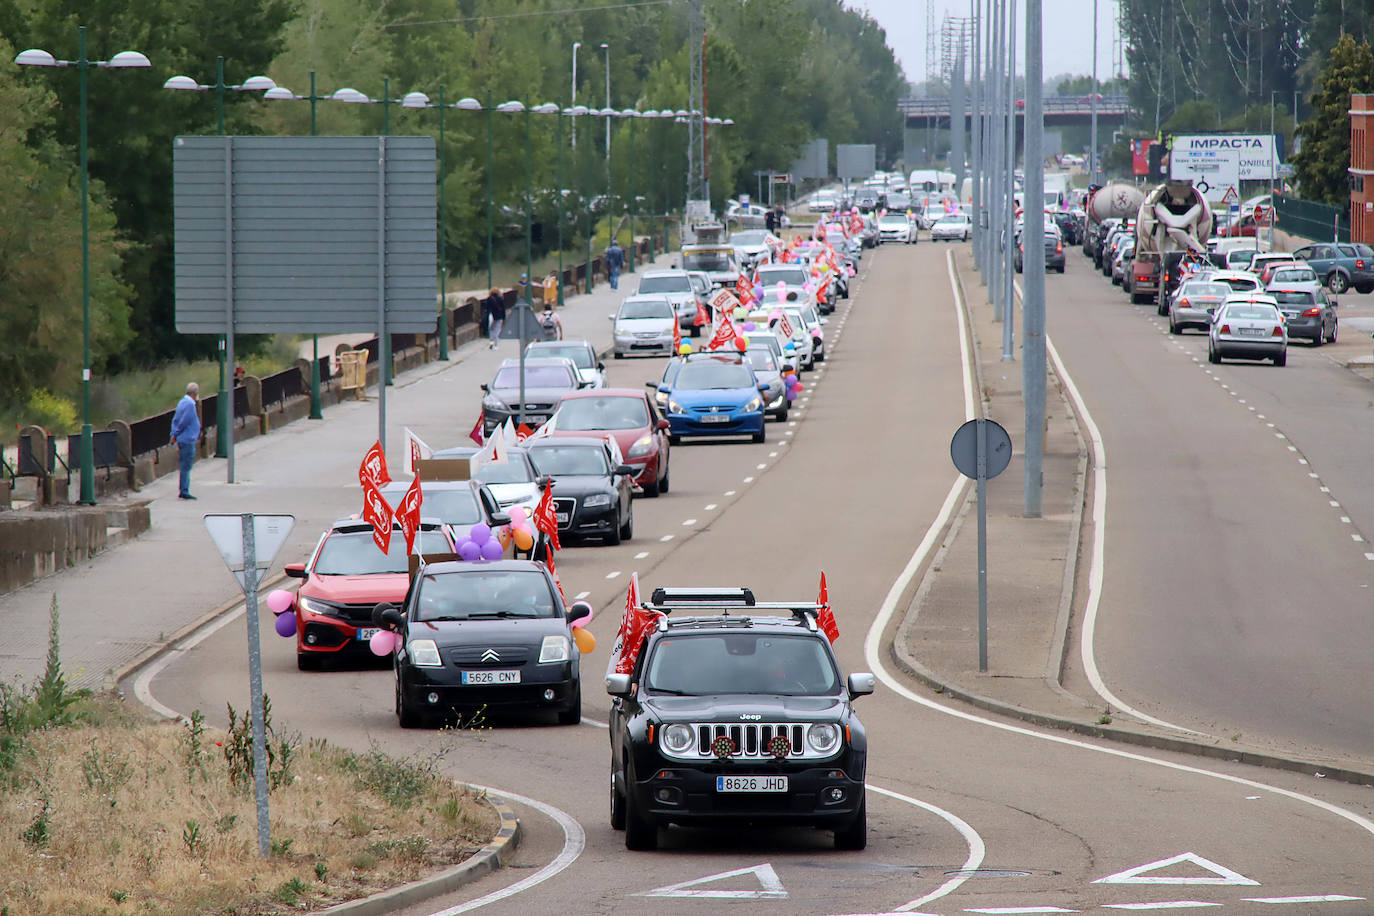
(1248, 326)
(1193, 304)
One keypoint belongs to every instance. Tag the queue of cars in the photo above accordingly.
(1250, 303)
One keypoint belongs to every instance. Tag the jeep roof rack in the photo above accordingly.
(666, 600)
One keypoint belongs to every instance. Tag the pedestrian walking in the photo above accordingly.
(186, 433)
(494, 311)
(615, 260)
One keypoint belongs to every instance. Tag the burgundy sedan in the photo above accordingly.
(630, 417)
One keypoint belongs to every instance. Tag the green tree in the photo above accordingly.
(1320, 167)
(40, 253)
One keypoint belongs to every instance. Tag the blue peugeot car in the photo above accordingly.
(714, 394)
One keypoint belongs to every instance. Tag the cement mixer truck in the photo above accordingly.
(1115, 201)
(1173, 220)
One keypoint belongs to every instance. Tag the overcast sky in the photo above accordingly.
(1067, 41)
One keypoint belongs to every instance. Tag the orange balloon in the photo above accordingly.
(586, 642)
(523, 539)
(504, 536)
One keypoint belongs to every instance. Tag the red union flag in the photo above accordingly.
(634, 626)
(373, 469)
(677, 334)
(784, 325)
(377, 513)
(725, 332)
(523, 432)
(476, 434)
(553, 571)
(826, 618)
(546, 519)
(408, 513)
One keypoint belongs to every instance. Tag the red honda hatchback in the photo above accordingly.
(630, 417)
(345, 578)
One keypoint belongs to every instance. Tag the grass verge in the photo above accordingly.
(104, 812)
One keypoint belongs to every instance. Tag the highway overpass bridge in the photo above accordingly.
(921, 114)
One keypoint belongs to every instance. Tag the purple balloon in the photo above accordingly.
(480, 533)
(749, 326)
(791, 394)
(492, 550)
(286, 624)
(470, 551)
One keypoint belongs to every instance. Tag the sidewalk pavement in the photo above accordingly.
(1034, 576)
(127, 603)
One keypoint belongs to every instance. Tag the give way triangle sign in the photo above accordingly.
(269, 533)
(1220, 874)
(770, 888)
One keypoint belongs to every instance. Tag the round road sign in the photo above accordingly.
(963, 449)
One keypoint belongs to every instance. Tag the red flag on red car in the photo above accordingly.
(634, 626)
(373, 468)
(826, 618)
(377, 513)
(408, 513)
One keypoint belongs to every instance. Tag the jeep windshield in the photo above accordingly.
(708, 664)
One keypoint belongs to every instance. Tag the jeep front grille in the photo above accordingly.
(751, 741)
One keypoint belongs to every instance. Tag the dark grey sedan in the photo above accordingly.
(1308, 313)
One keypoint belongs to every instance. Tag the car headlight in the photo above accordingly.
(677, 738)
(823, 737)
(314, 606)
(424, 653)
(641, 447)
(675, 407)
(491, 402)
(753, 405)
(599, 499)
(553, 649)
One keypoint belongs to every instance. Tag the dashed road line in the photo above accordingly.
(580, 595)
(710, 506)
(613, 574)
(666, 538)
(641, 555)
(689, 522)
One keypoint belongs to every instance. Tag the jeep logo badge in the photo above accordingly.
(751, 717)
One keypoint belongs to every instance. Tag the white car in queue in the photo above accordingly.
(951, 226)
(896, 227)
(643, 327)
(1248, 326)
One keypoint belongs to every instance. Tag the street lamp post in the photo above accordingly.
(572, 103)
(489, 280)
(36, 57)
(252, 84)
(607, 113)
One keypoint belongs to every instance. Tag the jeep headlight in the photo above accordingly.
(423, 653)
(598, 499)
(753, 405)
(641, 447)
(823, 737)
(554, 648)
(677, 738)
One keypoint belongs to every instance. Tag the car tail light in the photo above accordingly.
(1278, 331)
(1359, 263)
(1059, 248)
(1312, 312)
(1225, 329)
(1183, 303)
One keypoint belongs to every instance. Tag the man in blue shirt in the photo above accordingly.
(615, 260)
(185, 433)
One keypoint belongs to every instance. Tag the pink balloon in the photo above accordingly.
(492, 550)
(279, 600)
(382, 642)
(286, 624)
(518, 516)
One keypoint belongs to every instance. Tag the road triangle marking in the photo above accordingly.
(770, 888)
(1139, 875)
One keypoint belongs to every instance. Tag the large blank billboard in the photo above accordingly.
(856, 161)
(306, 235)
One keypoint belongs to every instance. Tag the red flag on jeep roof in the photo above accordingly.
(373, 467)
(377, 513)
(826, 618)
(408, 513)
(635, 625)
(546, 519)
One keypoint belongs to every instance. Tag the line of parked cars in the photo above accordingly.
(1250, 302)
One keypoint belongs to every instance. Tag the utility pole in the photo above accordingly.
(696, 147)
(1033, 303)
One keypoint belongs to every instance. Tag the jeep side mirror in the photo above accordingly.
(295, 570)
(861, 684)
(580, 610)
(618, 685)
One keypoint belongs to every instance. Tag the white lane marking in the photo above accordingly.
(1020, 909)
(142, 684)
(595, 723)
(574, 841)
(1161, 905)
(762, 466)
(580, 595)
(1334, 504)
(690, 521)
(666, 538)
(748, 480)
(770, 886)
(788, 432)
(729, 492)
(1304, 461)
(1357, 539)
(1314, 898)
(613, 574)
(1369, 556)
(710, 507)
(1099, 549)
(1140, 874)
(1345, 520)
(641, 555)
(1325, 489)
(772, 454)
(976, 848)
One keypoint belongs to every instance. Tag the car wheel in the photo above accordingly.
(672, 440)
(617, 803)
(1320, 338)
(408, 717)
(1337, 282)
(762, 434)
(1162, 309)
(1364, 288)
(627, 530)
(640, 832)
(855, 834)
(663, 484)
(1213, 356)
(613, 536)
(1173, 328)
(619, 355)
(307, 661)
(1281, 359)
(573, 714)
(1335, 328)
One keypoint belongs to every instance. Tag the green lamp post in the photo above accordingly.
(36, 57)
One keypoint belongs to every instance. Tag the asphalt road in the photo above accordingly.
(1043, 818)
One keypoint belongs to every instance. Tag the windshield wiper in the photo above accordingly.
(494, 614)
(676, 693)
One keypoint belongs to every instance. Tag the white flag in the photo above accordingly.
(416, 450)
